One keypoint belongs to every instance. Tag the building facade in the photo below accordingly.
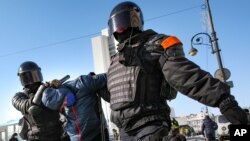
(8, 129)
(103, 48)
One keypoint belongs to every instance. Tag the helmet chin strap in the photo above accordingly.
(126, 36)
(130, 36)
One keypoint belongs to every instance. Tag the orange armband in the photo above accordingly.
(170, 41)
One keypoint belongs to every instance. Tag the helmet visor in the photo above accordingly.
(120, 21)
(123, 20)
(30, 77)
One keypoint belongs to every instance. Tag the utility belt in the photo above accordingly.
(126, 120)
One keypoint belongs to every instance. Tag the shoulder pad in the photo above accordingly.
(156, 39)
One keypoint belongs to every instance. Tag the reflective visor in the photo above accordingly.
(119, 21)
(30, 77)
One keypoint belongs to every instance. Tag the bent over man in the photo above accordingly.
(84, 121)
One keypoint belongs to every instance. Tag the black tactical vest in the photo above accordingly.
(136, 86)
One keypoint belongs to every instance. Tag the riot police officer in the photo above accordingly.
(44, 124)
(146, 60)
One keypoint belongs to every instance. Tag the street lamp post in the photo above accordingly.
(222, 73)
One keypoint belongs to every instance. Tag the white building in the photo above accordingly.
(182, 120)
(8, 128)
(195, 121)
(172, 113)
(103, 48)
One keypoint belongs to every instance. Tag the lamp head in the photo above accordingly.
(193, 51)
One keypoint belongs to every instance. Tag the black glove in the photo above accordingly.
(233, 113)
(33, 109)
(55, 83)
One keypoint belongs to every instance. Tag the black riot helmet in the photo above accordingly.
(125, 15)
(29, 73)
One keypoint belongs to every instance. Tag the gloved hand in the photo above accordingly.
(234, 114)
(33, 108)
(55, 83)
(69, 99)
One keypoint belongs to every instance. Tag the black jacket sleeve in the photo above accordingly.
(21, 102)
(98, 82)
(104, 93)
(189, 79)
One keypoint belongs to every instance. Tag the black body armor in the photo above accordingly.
(135, 83)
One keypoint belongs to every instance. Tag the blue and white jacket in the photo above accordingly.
(83, 117)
